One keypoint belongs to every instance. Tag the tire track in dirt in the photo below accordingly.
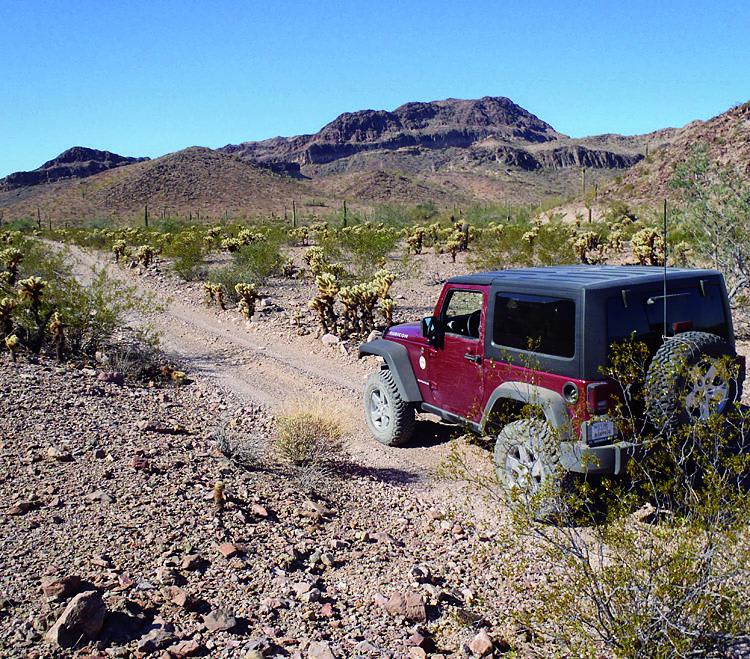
(275, 374)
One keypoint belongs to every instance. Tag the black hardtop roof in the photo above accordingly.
(578, 277)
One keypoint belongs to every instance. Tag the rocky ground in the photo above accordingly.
(109, 492)
(118, 544)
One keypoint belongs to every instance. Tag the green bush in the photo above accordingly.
(655, 564)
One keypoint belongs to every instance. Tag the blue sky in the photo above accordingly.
(147, 78)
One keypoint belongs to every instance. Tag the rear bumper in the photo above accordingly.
(584, 459)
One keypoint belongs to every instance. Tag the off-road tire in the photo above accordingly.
(527, 462)
(668, 380)
(398, 428)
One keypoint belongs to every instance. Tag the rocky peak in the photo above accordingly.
(76, 162)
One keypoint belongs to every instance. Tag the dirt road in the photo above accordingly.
(276, 372)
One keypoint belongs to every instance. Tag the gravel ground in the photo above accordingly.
(113, 485)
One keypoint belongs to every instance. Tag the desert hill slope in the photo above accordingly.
(193, 181)
(450, 152)
(725, 136)
(76, 162)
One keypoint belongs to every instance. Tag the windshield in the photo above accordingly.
(688, 308)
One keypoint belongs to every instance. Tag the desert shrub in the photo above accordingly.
(521, 244)
(187, 252)
(715, 206)
(367, 246)
(50, 308)
(259, 260)
(308, 435)
(245, 448)
(656, 564)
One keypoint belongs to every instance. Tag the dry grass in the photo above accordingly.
(308, 434)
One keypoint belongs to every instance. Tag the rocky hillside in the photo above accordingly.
(489, 130)
(448, 152)
(197, 181)
(75, 163)
(726, 136)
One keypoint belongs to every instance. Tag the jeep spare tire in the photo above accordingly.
(690, 378)
(389, 417)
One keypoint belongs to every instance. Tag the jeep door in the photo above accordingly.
(455, 367)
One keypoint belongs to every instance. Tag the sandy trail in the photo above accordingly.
(276, 373)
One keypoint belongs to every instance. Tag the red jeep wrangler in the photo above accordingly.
(499, 341)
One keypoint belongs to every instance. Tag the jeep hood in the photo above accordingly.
(407, 331)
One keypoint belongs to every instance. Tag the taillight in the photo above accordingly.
(597, 397)
(682, 326)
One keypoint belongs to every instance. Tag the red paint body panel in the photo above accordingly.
(450, 381)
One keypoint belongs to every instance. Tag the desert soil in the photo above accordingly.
(108, 490)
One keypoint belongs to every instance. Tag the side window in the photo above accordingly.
(462, 313)
(536, 323)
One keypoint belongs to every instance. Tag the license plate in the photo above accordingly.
(599, 430)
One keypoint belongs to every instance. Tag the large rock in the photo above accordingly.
(61, 587)
(481, 645)
(320, 650)
(219, 620)
(82, 620)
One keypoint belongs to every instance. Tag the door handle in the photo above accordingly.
(473, 358)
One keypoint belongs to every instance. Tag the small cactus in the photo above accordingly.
(10, 259)
(120, 250)
(145, 255)
(387, 307)
(11, 343)
(648, 247)
(248, 295)
(589, 247)
(218, 496)
(56, 328)
(214, 293)
(31, 289)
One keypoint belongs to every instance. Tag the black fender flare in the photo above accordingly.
(551, 403)
(397, 358)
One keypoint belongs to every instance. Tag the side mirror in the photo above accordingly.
(432, 329)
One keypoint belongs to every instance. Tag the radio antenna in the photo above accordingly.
(665, 269)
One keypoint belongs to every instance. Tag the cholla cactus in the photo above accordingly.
(454, 243)
(120, 250)
(214, 293)
(615, 240)
(56, 328)
(589, 247)
(316, 261)
(648, 247)
(299, 235)
(145, 255)
(248, 295)
(10, 259)
(320, 230)
(11, 343)
(31, 289)
(7, 307)
(231, 245)
(289, 269)
(415, 239)
(387, 307)
(383, 280)
(246, 237)
(530, 236)
(323, 303)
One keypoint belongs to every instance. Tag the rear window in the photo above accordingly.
(687, 308)
(534, 322)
